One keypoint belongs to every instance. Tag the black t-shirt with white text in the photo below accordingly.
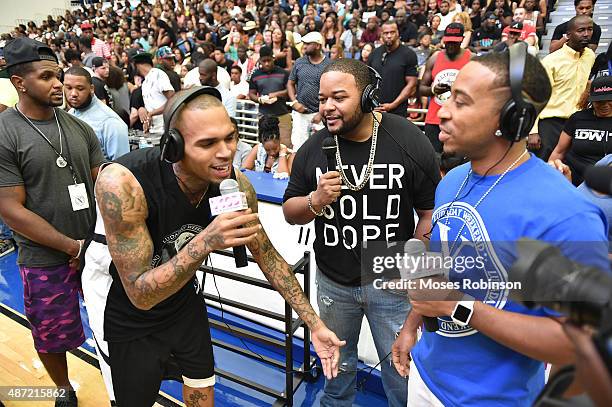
(601, 67)
(591, 141)
(485, 38)
(383, 209)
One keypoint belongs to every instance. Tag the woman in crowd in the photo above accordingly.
(584, 140)
(331, 33)
(336, 52)
(118, 89)
(475, 10)
(269, 155)
(432, 9)
(502, 10)
(284, 55)
(541, 6)
(365, 52)
(436, 33)
(534, 17)
(464, 19)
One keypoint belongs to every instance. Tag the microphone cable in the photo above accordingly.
(359, 386)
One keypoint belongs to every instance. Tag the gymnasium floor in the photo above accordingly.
(19, 365)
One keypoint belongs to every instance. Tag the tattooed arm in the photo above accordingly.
(124, 210)
(274, 267)
(280, 275)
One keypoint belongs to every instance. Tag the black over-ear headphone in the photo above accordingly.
(172, 144)
(518, 115)
(369, 97)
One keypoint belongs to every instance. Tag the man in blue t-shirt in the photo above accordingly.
(492, 354)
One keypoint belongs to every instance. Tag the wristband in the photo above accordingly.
(312, 209)
(80, 249)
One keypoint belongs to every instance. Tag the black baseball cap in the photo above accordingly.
(265, 51)
(97, 62)
(601, 89)
(142, 56)
(453, 33)
(516, 27)
(22, 50)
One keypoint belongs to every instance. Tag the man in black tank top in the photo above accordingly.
(159, 231)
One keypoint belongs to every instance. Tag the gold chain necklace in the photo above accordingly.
(370, 166)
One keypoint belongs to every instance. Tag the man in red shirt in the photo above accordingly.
(527, 31)
(99, 47)
(441, 70)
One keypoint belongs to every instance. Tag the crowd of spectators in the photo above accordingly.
(139, 54)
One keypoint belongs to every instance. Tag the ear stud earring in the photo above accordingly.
(498, 133)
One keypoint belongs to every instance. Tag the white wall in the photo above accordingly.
(35, 10)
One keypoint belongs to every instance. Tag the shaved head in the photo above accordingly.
(208, 65)
(571, 24)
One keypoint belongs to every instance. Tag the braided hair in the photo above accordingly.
(268, 128)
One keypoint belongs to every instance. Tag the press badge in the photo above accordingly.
(78, 197)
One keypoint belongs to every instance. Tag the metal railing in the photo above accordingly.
(247, 116)
(293, 377)
(419, 124)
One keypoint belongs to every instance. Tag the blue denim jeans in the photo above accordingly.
(5, 232)
(342, 309)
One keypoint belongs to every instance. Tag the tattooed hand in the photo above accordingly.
(230, 229)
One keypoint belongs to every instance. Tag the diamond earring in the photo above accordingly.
(498, 133)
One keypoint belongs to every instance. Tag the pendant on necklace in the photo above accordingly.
(61, 162)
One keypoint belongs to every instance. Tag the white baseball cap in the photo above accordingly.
(313, 36)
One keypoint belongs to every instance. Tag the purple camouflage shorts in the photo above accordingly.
(51, 299)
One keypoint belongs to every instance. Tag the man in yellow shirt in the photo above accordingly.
(568, 70)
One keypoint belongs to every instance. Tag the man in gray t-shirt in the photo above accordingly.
(48, 164)
(303, 89)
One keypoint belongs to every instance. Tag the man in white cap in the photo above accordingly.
(303, 88)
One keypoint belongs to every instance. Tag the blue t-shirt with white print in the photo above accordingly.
(461, 366)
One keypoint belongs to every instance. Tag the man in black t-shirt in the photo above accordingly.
(223, 62)
(157, 227)
(372, 198)
(408, 30)
(487, 36)
(416, 16)
(268, 87)
(397, 65)
(583, 8)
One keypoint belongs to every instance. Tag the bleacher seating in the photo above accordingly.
(565, 10)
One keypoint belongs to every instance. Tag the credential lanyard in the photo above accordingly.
(72, 172)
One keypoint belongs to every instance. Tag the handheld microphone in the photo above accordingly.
(415, 248)
(599, 178)
(329, 148)
(227, 187)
